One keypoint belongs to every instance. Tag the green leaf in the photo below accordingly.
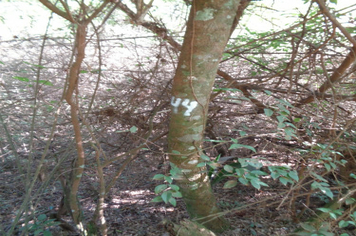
(158, 177)
(160, 188)
(133, 129)
(45, 82)
(157, 199)
(281, 119)
(42, 217)
(268, 112)
(214, 165)
(175, 152)
(230, 184)
(333, 1)
(214, 140)
(173, 201)
(327, 192)
(281, 125)
(267, 92)
(274, 175)
(285, 102)
(333, 215)
(291, 125)
(229, 168)
(169, 179)
(289, 131)
(237, 146)
(243, 181)
(37, 232)
(174, 187)
(294, 175)
(325, 233)
(333, 165)
(177, 194)
(240, 171)
(2, 63)
(39, 66)
(175, 171)
(255, 183)
(258, 172)
(242, 133)
(308, 227)
(319, 177)
(201, 164)
(343, 224)
(284, 180)
(324, 209)
(25, 79)
(166, 196)
(47, 233)
(350, 201)
(205, 157)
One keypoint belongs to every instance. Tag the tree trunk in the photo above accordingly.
(209, 27)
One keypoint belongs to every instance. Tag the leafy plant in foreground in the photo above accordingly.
(168, 192)
(40, 226)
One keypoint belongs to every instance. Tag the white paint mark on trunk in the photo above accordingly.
(190, 105)
(175, 104)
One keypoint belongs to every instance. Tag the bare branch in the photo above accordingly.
(327, 13)
(142, 10)
(65, 5)
(126, 9)
(240, 10)
(97, 11)
(334, 78)
(56, 10)
(106, 17)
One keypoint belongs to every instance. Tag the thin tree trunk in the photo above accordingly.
(209, 27)
(78, 167)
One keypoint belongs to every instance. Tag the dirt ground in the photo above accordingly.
(129, 209)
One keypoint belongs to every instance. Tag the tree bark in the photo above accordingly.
(209, 27)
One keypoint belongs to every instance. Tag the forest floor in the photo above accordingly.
(129, 209)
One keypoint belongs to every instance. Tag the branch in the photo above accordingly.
(65, 5)
(97, 11)
(327, 13)
(55, 9)
(240, 10)
(243, 88)
(127, 10)
(335, 77)
(106, 17)
(142, 9)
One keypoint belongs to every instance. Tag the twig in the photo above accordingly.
(326, 12)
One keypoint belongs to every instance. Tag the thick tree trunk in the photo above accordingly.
(209, 28)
